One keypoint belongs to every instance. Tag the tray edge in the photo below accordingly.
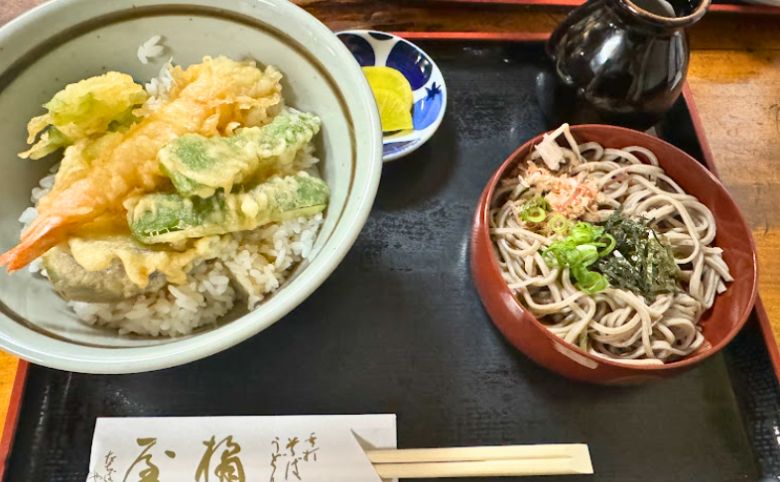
(719, 7)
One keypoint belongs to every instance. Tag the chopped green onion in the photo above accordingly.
(559, 224)
(534, 215)
(583, 232)
(609, 246)
(591, 282)
(588, 254)
(580, 250)
(535, 210)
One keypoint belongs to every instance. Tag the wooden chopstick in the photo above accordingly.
(514, 460)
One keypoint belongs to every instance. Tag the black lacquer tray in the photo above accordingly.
(398, 328)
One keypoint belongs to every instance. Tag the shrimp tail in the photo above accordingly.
(44, 233)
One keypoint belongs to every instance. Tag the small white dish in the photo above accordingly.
(374, 48)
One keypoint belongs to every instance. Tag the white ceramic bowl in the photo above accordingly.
(67, 40)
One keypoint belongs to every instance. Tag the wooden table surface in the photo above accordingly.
(734, 76)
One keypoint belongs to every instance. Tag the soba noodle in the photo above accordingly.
(613, 323)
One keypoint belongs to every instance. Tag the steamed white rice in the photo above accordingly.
(251, 266)
(150, 50)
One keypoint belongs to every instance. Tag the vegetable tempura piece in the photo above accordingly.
(115, 267)
(206, 98)
(171, 218)
(73, 282)
(90, 107)
(198, 166)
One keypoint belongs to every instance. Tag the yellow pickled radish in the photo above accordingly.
(393, 96)
(394, 114)
(390, 79)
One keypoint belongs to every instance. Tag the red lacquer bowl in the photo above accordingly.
(719, 325)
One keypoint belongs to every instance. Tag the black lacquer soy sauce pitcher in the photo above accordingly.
(620, 61)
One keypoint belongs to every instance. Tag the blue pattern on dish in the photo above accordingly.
(360, 48)
(411, 62)
(380, 35)
(396, 147)
(426, 110)
(428, 87)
